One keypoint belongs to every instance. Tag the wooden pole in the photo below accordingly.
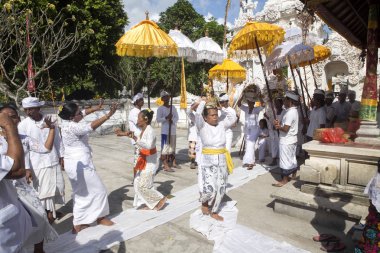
(301, 82)
(306, 86)
(266, 80)
(295, 84)
(312, 71)
(227, 83)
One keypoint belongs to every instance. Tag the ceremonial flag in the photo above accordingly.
(183, 100)
(31, 84)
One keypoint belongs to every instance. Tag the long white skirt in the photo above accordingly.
(212, 180)
(288, 160)
(274, 143)
(143, 185)
(89, 193)
(50, 185)
(250, 142)
(262, 146)
(42, 230)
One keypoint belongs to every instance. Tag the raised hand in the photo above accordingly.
(113, 109)
(49, 123)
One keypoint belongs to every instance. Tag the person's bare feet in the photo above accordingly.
(50, 217)
(294, 175)
(77, 228)
(217, 217)
(205, 209)
(143, 207)
(283, 182)
(160, 204)
(104, 221)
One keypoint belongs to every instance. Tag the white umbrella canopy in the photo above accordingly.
(207, 50)
(294, 34)
(296, 52)
(186, 47)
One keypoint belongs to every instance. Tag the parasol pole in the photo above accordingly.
(266, 80)
(306, 86)
(227, 83)
(171, 98)
(302, 84)
(295, 84)
(312, 71)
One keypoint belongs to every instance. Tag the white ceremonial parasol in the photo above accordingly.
(288, 50)
(207, 50)
(294, 34)
(186, 47)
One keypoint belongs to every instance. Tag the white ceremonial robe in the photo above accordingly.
(143, 183)
(48, 180)
(229, 133)
(132, 122)
(274, 138)
(251, 132)
(42, 230)
(212, 169)
(15, 221)
(288, 142)
(262, 143)
(89, 193)
(162, 113)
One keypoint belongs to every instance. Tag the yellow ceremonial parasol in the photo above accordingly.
(146, 39)
(255, 35)
(228, 70)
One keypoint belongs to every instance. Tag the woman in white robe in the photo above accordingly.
(146, 197)
(42, 230)
(89, 193)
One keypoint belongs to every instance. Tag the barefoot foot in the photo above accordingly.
(77, 228)
(104, 221)
(160, 204)
(205, 209)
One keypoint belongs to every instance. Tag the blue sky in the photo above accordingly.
(136, 8)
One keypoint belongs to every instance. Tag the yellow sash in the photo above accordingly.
(212, 151)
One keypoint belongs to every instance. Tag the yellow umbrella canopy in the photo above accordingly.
(228, 69)
(320, 53)
(146, 39)
(267, 35)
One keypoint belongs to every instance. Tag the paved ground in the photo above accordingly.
(113, 159)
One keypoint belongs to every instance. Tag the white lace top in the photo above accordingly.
(75, 134)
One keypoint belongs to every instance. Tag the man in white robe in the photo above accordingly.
(288, 128)
(15, 221)
(167, 115)
(317, 114)
(48, 180)
(342, 109)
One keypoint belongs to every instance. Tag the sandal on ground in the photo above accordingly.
(325, 238)
(333, 247)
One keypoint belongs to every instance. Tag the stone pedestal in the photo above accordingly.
(369, 133)
(332, 182)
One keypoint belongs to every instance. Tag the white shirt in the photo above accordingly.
(75, 135)
(132, 122)
(227, 111)
(291, 119)
(251, 119)
(34, 129)
(212, 136)
(317, 118)
(162, 112)
(342, 111)
(193, 131)
(15, 222)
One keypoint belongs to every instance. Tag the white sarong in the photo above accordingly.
(89, 193)
(288, 160)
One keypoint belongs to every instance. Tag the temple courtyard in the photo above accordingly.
(113, 157)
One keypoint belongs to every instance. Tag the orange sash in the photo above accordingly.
(141, 161)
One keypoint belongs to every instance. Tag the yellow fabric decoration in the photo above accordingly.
(183, 98)
(159, 102)
(219, 151)
(228, 69)
(146, 39)
(267, 35)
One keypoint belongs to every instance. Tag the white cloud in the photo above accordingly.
(136, 9)
(220, 21)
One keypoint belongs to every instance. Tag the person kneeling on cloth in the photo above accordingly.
(215, 163)
(288, 128)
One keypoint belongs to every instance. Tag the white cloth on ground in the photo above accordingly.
(164, 111)
(89, 193)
